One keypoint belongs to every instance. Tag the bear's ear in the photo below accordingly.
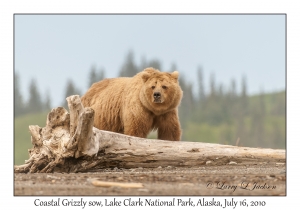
(145, 76)
(175, 75)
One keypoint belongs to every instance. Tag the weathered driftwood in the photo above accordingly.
(116, 184)
(70, 143)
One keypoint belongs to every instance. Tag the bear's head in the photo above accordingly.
(161, 91)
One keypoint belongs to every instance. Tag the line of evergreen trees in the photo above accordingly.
(219, 114)
(35, 103)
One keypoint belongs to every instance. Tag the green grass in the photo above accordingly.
(273, 101)
(22, 139)
(273, 133)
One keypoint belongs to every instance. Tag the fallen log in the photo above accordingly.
(70, 143)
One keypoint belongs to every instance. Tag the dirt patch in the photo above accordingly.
(262, 179)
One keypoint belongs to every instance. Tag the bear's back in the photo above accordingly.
(111, 87)
(105, 98)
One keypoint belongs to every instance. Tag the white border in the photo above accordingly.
(8, 8)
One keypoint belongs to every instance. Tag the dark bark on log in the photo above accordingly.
(70, 143)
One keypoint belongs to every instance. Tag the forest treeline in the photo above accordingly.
(219, 114)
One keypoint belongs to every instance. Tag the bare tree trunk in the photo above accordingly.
(70, 143)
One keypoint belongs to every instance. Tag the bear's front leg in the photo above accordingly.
(138, 126)
(168, 126)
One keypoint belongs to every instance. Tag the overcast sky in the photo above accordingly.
(53, 48)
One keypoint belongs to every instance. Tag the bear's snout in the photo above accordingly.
(157, 97)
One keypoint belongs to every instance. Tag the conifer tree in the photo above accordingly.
(201, 91)
(129, 68)
(244, 96)
(155, 64)
(47, 104)
(92, 76)
(19, 108)
(95, 76)
(70, 90)
(212, 86)
(35, 103)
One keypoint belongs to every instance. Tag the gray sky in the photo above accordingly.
(53, 48)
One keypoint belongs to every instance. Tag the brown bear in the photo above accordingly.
(136, 105)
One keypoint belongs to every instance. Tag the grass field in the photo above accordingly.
(22, 140)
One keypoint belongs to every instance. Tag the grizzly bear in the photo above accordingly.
(136, 105)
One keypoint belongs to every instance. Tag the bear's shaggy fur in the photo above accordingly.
(136, 105)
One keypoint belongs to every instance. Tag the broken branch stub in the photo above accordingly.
(70, 143)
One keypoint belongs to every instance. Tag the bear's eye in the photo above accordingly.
(153, 87)
(164, 87)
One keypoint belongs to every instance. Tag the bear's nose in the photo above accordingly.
(156, 95)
